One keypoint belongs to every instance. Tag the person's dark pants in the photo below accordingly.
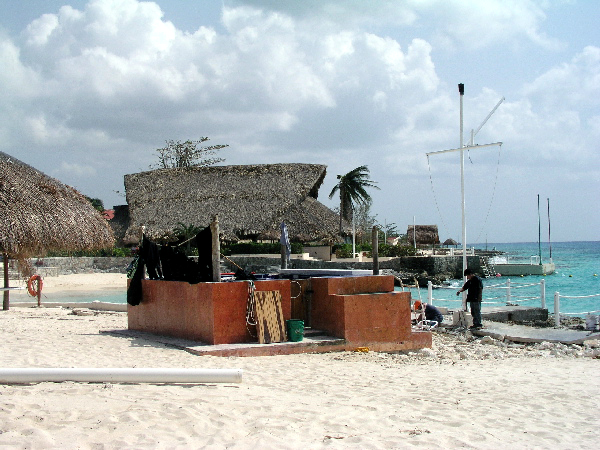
(476, 313)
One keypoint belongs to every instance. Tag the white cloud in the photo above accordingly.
(76, 170)
(480, 24)
(574, 84)
(455, 23)
(326, 82)
(40, 30)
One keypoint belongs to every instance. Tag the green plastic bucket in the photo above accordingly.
(295, 329)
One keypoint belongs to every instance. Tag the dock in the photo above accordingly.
(517, 270)
(527, 335)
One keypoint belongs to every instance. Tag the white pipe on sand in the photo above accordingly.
(120, 375)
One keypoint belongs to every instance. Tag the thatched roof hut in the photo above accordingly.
(450, 242)
(40, 214)
(251, 201)
(426, 234)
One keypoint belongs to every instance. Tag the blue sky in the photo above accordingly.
(89, 90)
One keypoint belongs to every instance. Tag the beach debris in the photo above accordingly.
(82, 312)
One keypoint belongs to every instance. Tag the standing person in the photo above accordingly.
(474, 288)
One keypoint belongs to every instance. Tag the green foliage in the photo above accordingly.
(112, 252)
(352, 190)
(364, 222)
(96, 203)
(186, 233)
(187, 154)
(257, 248)
(396, 250)
(345, 250)
(390, 229)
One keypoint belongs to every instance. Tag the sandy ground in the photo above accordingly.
(463, 393)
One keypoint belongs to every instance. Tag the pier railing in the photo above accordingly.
(510, 293)
(557, 312)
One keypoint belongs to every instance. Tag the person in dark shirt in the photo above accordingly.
(431, 312)
(474, 288)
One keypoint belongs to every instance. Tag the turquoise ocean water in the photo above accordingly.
(577, 275)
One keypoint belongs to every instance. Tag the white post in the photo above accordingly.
(543, 293)
(461, 90)
(430, 292)
(508, 292)
(384, 232)
(557, 309)
(353, 236)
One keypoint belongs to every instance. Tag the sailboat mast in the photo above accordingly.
(461, 91)
(539, 231)
(549, 241)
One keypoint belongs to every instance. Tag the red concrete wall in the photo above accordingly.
(383, 317)
(354, 285)
(327, 311)
(213, 313)
(364, 310)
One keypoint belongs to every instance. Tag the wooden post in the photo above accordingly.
(6, 299)
(216, 250)
(375, 250)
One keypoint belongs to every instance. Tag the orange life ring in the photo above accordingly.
(35, 292)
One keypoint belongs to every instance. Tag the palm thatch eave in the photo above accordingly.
(41, 214)
(250, 200)
(425, 234)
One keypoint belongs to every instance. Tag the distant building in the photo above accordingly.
(425, 234)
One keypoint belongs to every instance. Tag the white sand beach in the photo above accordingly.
(463, 393)
(62, 287)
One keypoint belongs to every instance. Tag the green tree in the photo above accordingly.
(185, 233)
(364, 221)
(187, 154)
(352, 190)
(96, 203)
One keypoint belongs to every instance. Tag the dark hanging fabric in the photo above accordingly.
(134, 290)
(150, 253)
(204, 245)
(178, 267)
(169, 265)
(241, 274)
(147, 259)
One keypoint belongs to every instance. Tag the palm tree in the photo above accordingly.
(352, 190)
(186, 233)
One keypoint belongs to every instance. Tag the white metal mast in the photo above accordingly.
(462, 148)
(461, 91)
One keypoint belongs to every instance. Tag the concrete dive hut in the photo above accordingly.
(227, 317)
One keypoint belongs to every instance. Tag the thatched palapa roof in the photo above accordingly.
(450, 242)
(251, 201)
(40, 214)
(426, 234)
